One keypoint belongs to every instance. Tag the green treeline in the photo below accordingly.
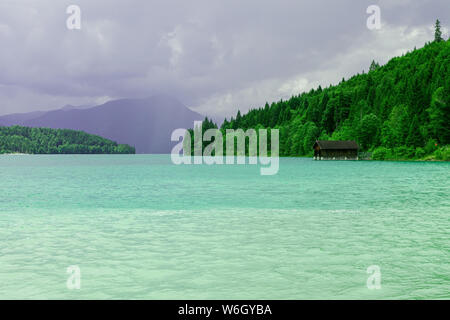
(17, 139)
(397, 111)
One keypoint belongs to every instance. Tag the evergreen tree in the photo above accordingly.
(367, 130)
(415, 138)
(374, 66)
(437, 31)
(439, 113)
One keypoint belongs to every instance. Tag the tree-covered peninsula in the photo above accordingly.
(397, 111)
(17, 139)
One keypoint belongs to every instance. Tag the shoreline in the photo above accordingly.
(168, 154)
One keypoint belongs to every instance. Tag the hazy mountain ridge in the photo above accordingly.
(19, 118)
(146, 124)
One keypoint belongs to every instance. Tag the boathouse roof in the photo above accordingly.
(336, 145)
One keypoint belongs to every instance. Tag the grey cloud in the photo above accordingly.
(215, 56)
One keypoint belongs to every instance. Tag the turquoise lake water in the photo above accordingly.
(139, 227)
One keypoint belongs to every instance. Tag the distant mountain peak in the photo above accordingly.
(71, 107)
(146, 123)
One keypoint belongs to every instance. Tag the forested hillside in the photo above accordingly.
(18, 139)
(397, 111)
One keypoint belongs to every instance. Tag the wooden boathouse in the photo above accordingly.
(335, 150)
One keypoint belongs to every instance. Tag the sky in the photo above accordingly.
(214, 56)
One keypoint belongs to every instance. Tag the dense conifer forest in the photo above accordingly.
(400, 110)
(17, 139)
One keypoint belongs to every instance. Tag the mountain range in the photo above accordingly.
(146, 124)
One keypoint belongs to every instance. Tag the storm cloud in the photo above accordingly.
(214, 56)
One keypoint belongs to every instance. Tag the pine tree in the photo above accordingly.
(437, 32)
(374, 66)
(439, 113)
(415, 138)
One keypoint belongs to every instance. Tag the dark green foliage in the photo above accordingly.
(18, 139)
(374, 66)
(415, 137)
(437, 31)
(199, 143)
(380, 153)
(399, 106)
(367, 131)
(439, 113)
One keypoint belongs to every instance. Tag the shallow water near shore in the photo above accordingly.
(139, 227)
